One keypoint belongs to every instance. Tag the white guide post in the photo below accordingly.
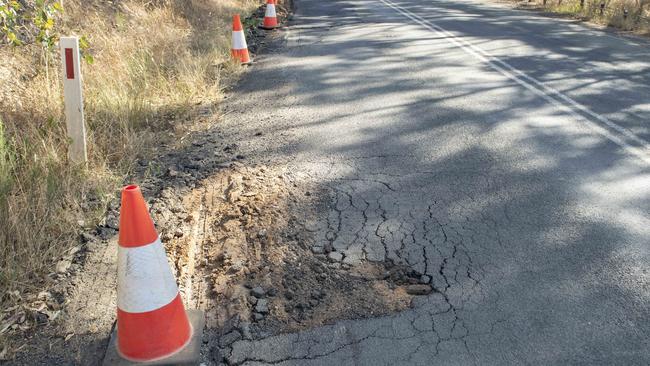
(74, 107)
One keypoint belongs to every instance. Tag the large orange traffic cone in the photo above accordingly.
(151, 320)
(239, 46)
(270, 18)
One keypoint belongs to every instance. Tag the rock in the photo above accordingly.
(63, 266)
(112, 222)
(262, 306)
(258, 292)
(257, 316)
(289, 295)
(178, 233)
(87, 238)
(236, 267)
(272, 292)
(245, 328)
(425, 279)
(418, 290)
(313, 303)
(318, 250)
(230, 338)
(105, 233)
(335, 256)
(252, 300)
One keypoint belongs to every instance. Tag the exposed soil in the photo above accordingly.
(255, 255)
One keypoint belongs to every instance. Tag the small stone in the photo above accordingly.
(313, 303)
(425, 279)
(272, 292)
(258, 292)
(63, 266)
(262, 306)
(418, 290)
(335, 256)
(318, 250)
(230, 338)
(112, 222)
(252, 300)
(289, 295)
(257, 316)
(87, 238)
(178, 233)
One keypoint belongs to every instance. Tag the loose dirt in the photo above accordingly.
(254, 258)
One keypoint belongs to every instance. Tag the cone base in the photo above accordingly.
(188, 355)
(268, 27)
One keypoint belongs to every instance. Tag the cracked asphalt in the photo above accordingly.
(500, 153)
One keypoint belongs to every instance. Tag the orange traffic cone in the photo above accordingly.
(151, 320)
(239, 46)
(270, 18)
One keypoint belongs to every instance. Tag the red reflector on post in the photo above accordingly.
(69, 64)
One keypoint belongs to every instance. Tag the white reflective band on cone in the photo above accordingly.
(270, 10)
(144, 279)
(238, 40)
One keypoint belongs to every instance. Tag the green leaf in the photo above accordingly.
(83, 43)
(89, 58)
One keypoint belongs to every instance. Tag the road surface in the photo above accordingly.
(502, 153)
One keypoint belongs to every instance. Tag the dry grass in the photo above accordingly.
(155, 62)
(637, 19)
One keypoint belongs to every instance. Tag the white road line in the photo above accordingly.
(539, 88)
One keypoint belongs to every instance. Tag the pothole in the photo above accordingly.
(255, 272)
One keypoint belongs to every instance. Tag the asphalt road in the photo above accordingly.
(502, 153)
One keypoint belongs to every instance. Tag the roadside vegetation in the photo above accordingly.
(149, 66)
(628, 15)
